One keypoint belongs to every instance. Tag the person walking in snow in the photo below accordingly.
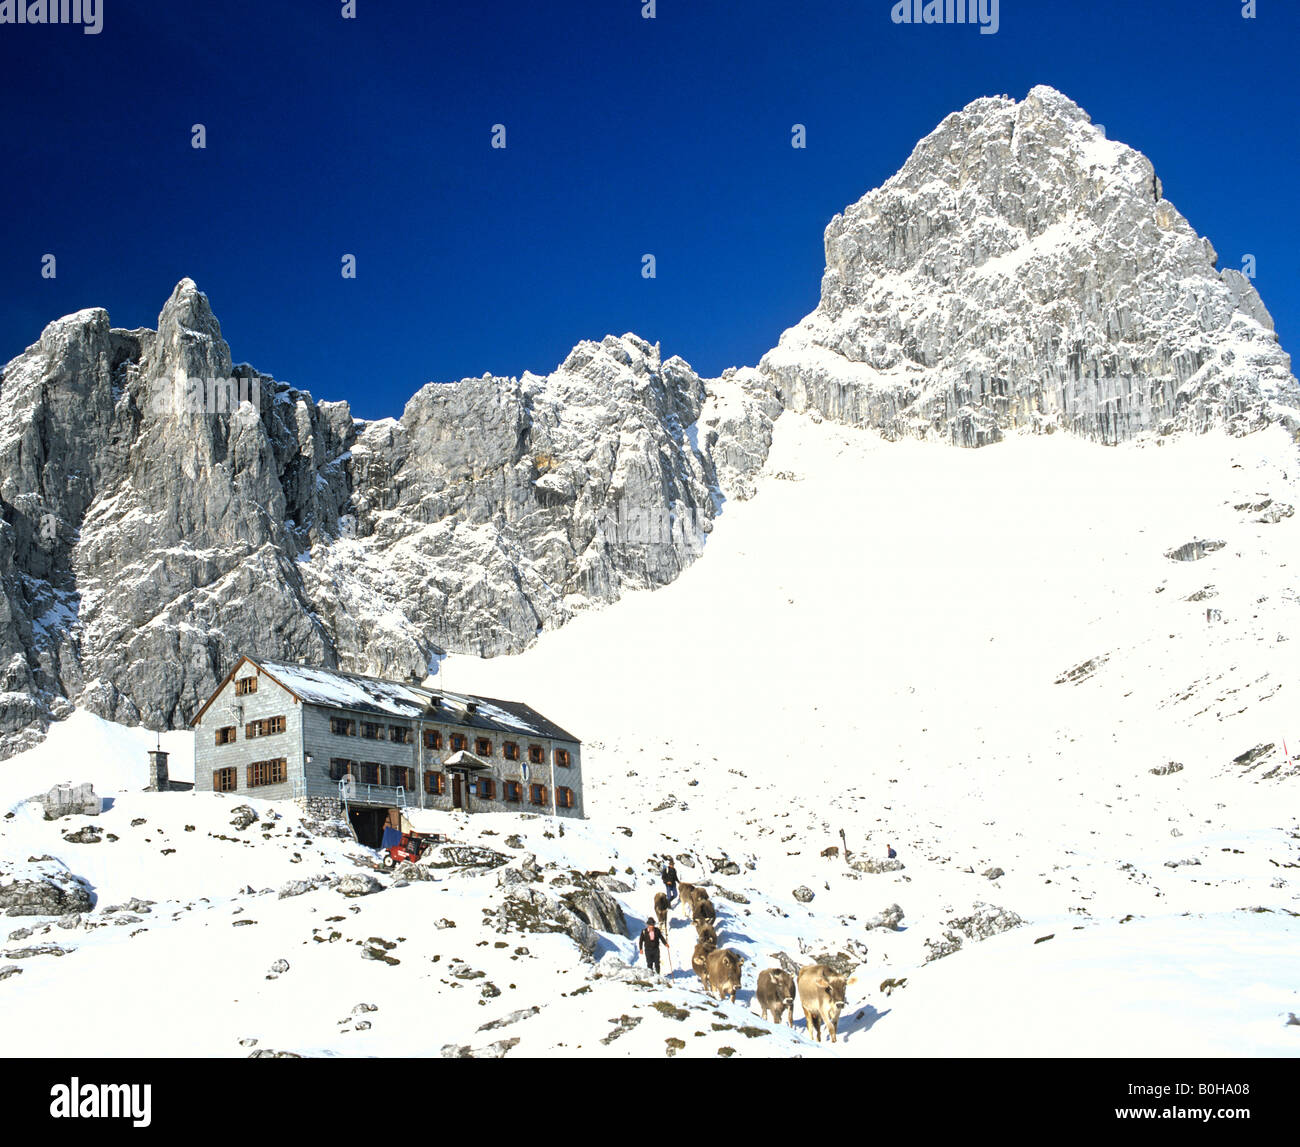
(669, 875)
(889, 851)
(649, 943)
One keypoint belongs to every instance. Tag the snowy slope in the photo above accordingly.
(873, 645)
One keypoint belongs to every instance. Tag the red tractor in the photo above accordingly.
(410, 846)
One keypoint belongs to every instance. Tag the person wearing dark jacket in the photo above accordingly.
(649, 943)
(669, 875)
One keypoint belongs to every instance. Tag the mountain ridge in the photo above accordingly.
(1020, 273)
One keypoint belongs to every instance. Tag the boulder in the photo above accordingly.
(43, 887)
(68, 800)
(891, 918)
(358, 884)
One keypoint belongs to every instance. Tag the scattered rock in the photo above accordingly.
(874, 864)
(512, 1018)
(241, 816)
(622, 1025)
(1191, 860)
(1166, 770)
(984, 921)
(89, 834)
(466, 856)
(10, 970)
(43, 886)
(1195, 550)
(599, 909)
(803, 894)
(492, 1051)
(889, 919)
(69, 800)
(358, 884)
(993, 873)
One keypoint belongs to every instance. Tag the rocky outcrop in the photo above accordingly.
(43, 886)
(1021, 270)
(165, 510)
(70, 800)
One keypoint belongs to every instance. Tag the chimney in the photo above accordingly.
(158, 781)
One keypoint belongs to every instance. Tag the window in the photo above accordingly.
(564, 797)
(226, 736)
(457, 742)
(343, 727)
(510, 750)
(340, 767)
(483, 747)
(400, 734)
(400, 776)
(264, 728)
(487, 789)
(225, 780)
(245, 685)
(371, 731)
(267, 772)
(514, 792)
(368, 773)
(562, 758)
(536, 754)
(432, 739)
(537, 794)
(435, 784)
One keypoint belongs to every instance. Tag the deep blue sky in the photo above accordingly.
(625, 136)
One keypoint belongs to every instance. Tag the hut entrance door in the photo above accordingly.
(457, 800)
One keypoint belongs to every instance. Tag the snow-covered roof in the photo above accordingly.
(335, 689)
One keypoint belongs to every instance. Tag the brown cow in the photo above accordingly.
(775, 994)
(704, 912)
(708, 935)
(684, 894)
(661, 910)
(724, 972)
(700, 964)
(821, 995)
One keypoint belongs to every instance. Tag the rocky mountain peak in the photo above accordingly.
(1023, 271)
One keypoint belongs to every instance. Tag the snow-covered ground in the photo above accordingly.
(974, 656)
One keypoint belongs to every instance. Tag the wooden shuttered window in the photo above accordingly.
(264, 727)
(537, 794)
(245, 686)
(371, 731)
(225, 780)
(510, 750)
(399, 734)
(432, 739)
(536, 755)
(483, 747)
(343, 727)
(268, 772)
(226, 735)
(340, 767)
(564, 797)
(400, 776)
(458, 742)
(487, 789)
(368, 773)
(435, 784)
(562, 758)
(514, 792)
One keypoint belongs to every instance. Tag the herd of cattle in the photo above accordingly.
(821, 991)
